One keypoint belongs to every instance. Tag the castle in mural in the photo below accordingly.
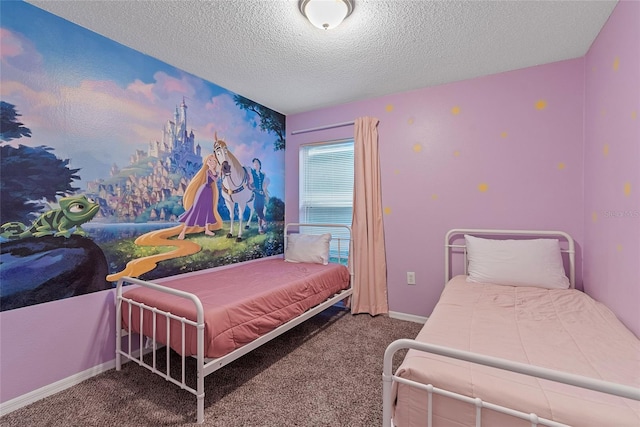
(176, 148)
(151, 187)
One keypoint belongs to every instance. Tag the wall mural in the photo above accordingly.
(116, 164)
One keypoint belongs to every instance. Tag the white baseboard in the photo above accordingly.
(58, 386)
(65, 383)
(408, 317)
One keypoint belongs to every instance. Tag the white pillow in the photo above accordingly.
(308, 248)
(533, 262)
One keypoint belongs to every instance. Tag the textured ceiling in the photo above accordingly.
(265, 50)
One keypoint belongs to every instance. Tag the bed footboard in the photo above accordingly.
(389, 378)
(205, 366)
(152, 323)
(137, 356)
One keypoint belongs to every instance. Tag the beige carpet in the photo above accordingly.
(325, 372)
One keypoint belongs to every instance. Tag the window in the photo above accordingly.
(326, 184)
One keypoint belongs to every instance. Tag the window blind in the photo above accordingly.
(326, 183)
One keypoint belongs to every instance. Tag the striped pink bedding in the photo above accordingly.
(241, 303)
(558, 329)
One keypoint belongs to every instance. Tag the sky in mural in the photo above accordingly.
(96, 101)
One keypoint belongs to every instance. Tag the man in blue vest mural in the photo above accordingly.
(258, 185)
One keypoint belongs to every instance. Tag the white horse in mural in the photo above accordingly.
(235, 185)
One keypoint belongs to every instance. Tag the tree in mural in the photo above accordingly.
(10, 127)
(275, 209)
(29, 175)
(270, 121)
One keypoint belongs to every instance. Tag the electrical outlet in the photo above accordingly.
(411, 278)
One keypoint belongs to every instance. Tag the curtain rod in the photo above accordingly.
(335, 125)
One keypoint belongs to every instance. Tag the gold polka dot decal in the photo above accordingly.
(634, 115)
(410, 121)
(616, 64)
(603, 112)
(619, 248)
(541, 104)
(417, 148)
(389, 108)
(434, 197)
(605, 149)
(387, 210)
(594, 216)
(456, 153)
(396, 171)
(561, 166)
(627, 189)
(455, 110)
(503, 134)
(483, 187)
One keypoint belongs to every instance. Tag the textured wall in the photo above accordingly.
(612, 165)
(553, 146)
(503, 151)
(121, 117)
(500, 151)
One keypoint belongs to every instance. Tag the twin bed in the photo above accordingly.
(512, 343)
(218, 316)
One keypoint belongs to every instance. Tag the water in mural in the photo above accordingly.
(114, 164)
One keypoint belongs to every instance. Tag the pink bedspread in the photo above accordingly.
(558, 329)
(241, 303)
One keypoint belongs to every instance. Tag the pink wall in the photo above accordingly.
(570, 162)
(503, 151)
(434, 158)
(45, 343)
(612, 165)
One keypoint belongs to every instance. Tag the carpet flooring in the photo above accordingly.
(325, 372)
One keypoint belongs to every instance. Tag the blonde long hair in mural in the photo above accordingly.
(201, 214)
(200, 200)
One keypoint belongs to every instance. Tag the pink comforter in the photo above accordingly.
(241, 303)
(558, 329)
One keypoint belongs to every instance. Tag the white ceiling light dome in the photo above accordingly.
(326, 14)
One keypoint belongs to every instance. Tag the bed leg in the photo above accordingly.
(387, 383)
(200, 416)
(118, 348)
(118, 303)
(118, 338)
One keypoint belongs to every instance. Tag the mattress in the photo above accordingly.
(241, 303)
(564, 330)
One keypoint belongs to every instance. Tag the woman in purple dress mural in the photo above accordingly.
(201, 200)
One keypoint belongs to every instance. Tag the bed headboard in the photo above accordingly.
(341, 241)
(566, 242)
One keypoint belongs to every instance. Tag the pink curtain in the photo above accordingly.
(369, 259)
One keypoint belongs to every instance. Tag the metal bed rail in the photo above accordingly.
(388, 378)
(198, 324)
(449, 247)
(336, 231)
(212, 365)
(138, 356)
(205, 366)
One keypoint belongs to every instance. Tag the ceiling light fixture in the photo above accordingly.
(326, 14)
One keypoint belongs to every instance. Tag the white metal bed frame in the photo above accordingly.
(206, 366)
(449, 247)
(562, 377)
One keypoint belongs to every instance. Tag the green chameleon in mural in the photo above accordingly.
(73, 212)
